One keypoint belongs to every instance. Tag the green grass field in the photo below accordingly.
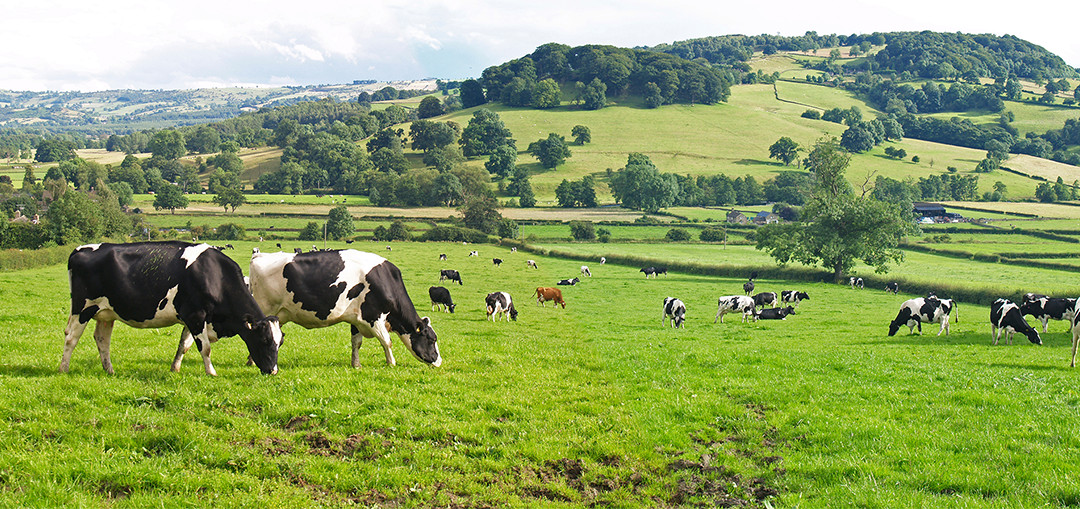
(595, 404)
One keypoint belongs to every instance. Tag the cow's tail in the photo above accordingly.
(956, 306)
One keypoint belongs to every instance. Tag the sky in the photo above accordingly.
(65, 45)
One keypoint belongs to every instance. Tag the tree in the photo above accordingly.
(581, 134)
(74, 217)
(311, 231)
(339, 223)
(50, 151)
(482, 213)
(653, 97)
(837, 227)
(429, 107)
(484, 133)
(678, 235)
(170, 197)
(204, 140)
(502, 162)
(167, 143)
(640, 185)
(595, 95)
(784, 150)
(551, 152)
(546, 94)
(582, 230)
(447, 189)
(472, 94)
(230, 197)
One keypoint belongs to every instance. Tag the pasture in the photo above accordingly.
(595, 404)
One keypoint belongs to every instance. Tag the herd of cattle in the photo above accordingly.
(158, 284)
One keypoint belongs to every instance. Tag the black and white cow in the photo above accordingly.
(1005, 316)
(298, 250)
(474, 253)
(661, 270)
(856, 282)
(675, 310)
(765, 299)
(585, 271)
(915, 312)
(442, 257)
(1075, 334)
(158, 284)
(500, 302)
(734, 304)
(1046, 308)
(452, 275)
(568, 282)
(497, 262)
(513, 250)
(793, 297)
(774, 313)
(531, 263)
(603, 260)
(440, 299)
(748, 287)
(893, 287)
(324, 288)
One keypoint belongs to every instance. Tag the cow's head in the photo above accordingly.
(1033, 336)
(790, 310)
(423, 343)
(263, 338)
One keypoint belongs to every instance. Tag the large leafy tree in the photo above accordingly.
(784, 150)
(472, 94)
(230, 197)
(640, 185)
(484, 133)
(429, 107)
(49, 151)
(170, 197)
(546, 94)
(551, 152)
(838, 228)
(167, 143)
(502, 162)
(482, 213)
(339, 224)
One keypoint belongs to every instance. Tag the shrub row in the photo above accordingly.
(19, 259)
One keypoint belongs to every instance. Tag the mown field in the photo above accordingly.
(595, 404)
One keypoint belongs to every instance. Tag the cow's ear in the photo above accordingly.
(426, 323)
(249, 322)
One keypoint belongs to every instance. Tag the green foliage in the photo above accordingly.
(546, 94)
(429, 107)
(472, 94)
(482, 213)
(484, 134)
(508, 229)
(443, 233)
(502, 162)
(397, 231)
(170, 197)
(74, 218)
(678, 235)
(580, 193)
(581, 134)
(339, 223)
(582, 230)
(168, 144)
(784, 150)
(231, 231)
(811, 114)
(551, 152)
(53, 150)
(594, 95)
(311, 231)
(713, 235)
(640, 186)
(230, 198)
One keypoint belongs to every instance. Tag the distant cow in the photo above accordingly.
(254, 250)
(661, 270)
(279, 245)
(452, 275)
(603, 260)
(675, 310)
(474, 253)
(513, 250)
(229, 246)
(765, 299)
(793, 297)
(544, 294)
(388, 248)
(440, 299)
(748, 287)
(149, 285)
(648, 271)
(497, 262)
(328, 287)
(297, 250)
(856, 282)
(915, 312)
(500, 302)
(734, 304)
(1005, 316)
(1046, 308)
(585, 271)
(893, 287)
(774, 313)
(568, 282)
(531, 263)
(442, 257)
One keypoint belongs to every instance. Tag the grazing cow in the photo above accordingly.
(442, 257)
(254, 250)
(452, 275)
(388, 248)
(675, 310)
(585, 271)
(924, 309)
(774, 313)
(500, 302)
(661, 270)
(1046, 308)
(440, 299)
(279, 245)
(748, 287)
(158, 284)
(568, 282)
(314, 247)
(1005, 316)
(297, 250)
(531, 263)
(856, 282)
(793, 297)
(474, 253)
(649, 271)
(229, 246)
(893, 287)
(544, 294)
(734, 304)
(349, 241)
(328, 287)
(513, 250)
(765, 299)
(497, 262)
(603, 260)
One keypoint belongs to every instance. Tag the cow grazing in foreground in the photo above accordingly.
(765, 299)
(324, 288)
(675, 310)
(452, 275)
(158, 284)
(734, 304)
(568, 282)
(774, 313)
(544, 294)
(856, 282)
(893, 287)
(440, 299)
(497, 262)
(531, 263)
(585, 271)
(793, 297)
(915, 312)
(500, 302)
(1046, 308)
(1005, 316)
(748, 287)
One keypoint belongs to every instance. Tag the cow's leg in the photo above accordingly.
(72, 332)
(382, 332)
(944, 327)
(203, 340)
(1076, 338)
(102, 335)
(718, 316)
(357, 341)
(186, 340)
(1046, 323)
(993, 335)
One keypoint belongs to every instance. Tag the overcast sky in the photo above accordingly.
(154, 44)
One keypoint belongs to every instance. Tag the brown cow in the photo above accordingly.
(544, 294)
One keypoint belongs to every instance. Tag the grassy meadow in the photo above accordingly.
(595, 404)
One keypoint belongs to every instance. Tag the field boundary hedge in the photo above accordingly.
(21, 259)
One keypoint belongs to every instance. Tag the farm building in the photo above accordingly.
(935, 212)
(736, 217)
(766, 217)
